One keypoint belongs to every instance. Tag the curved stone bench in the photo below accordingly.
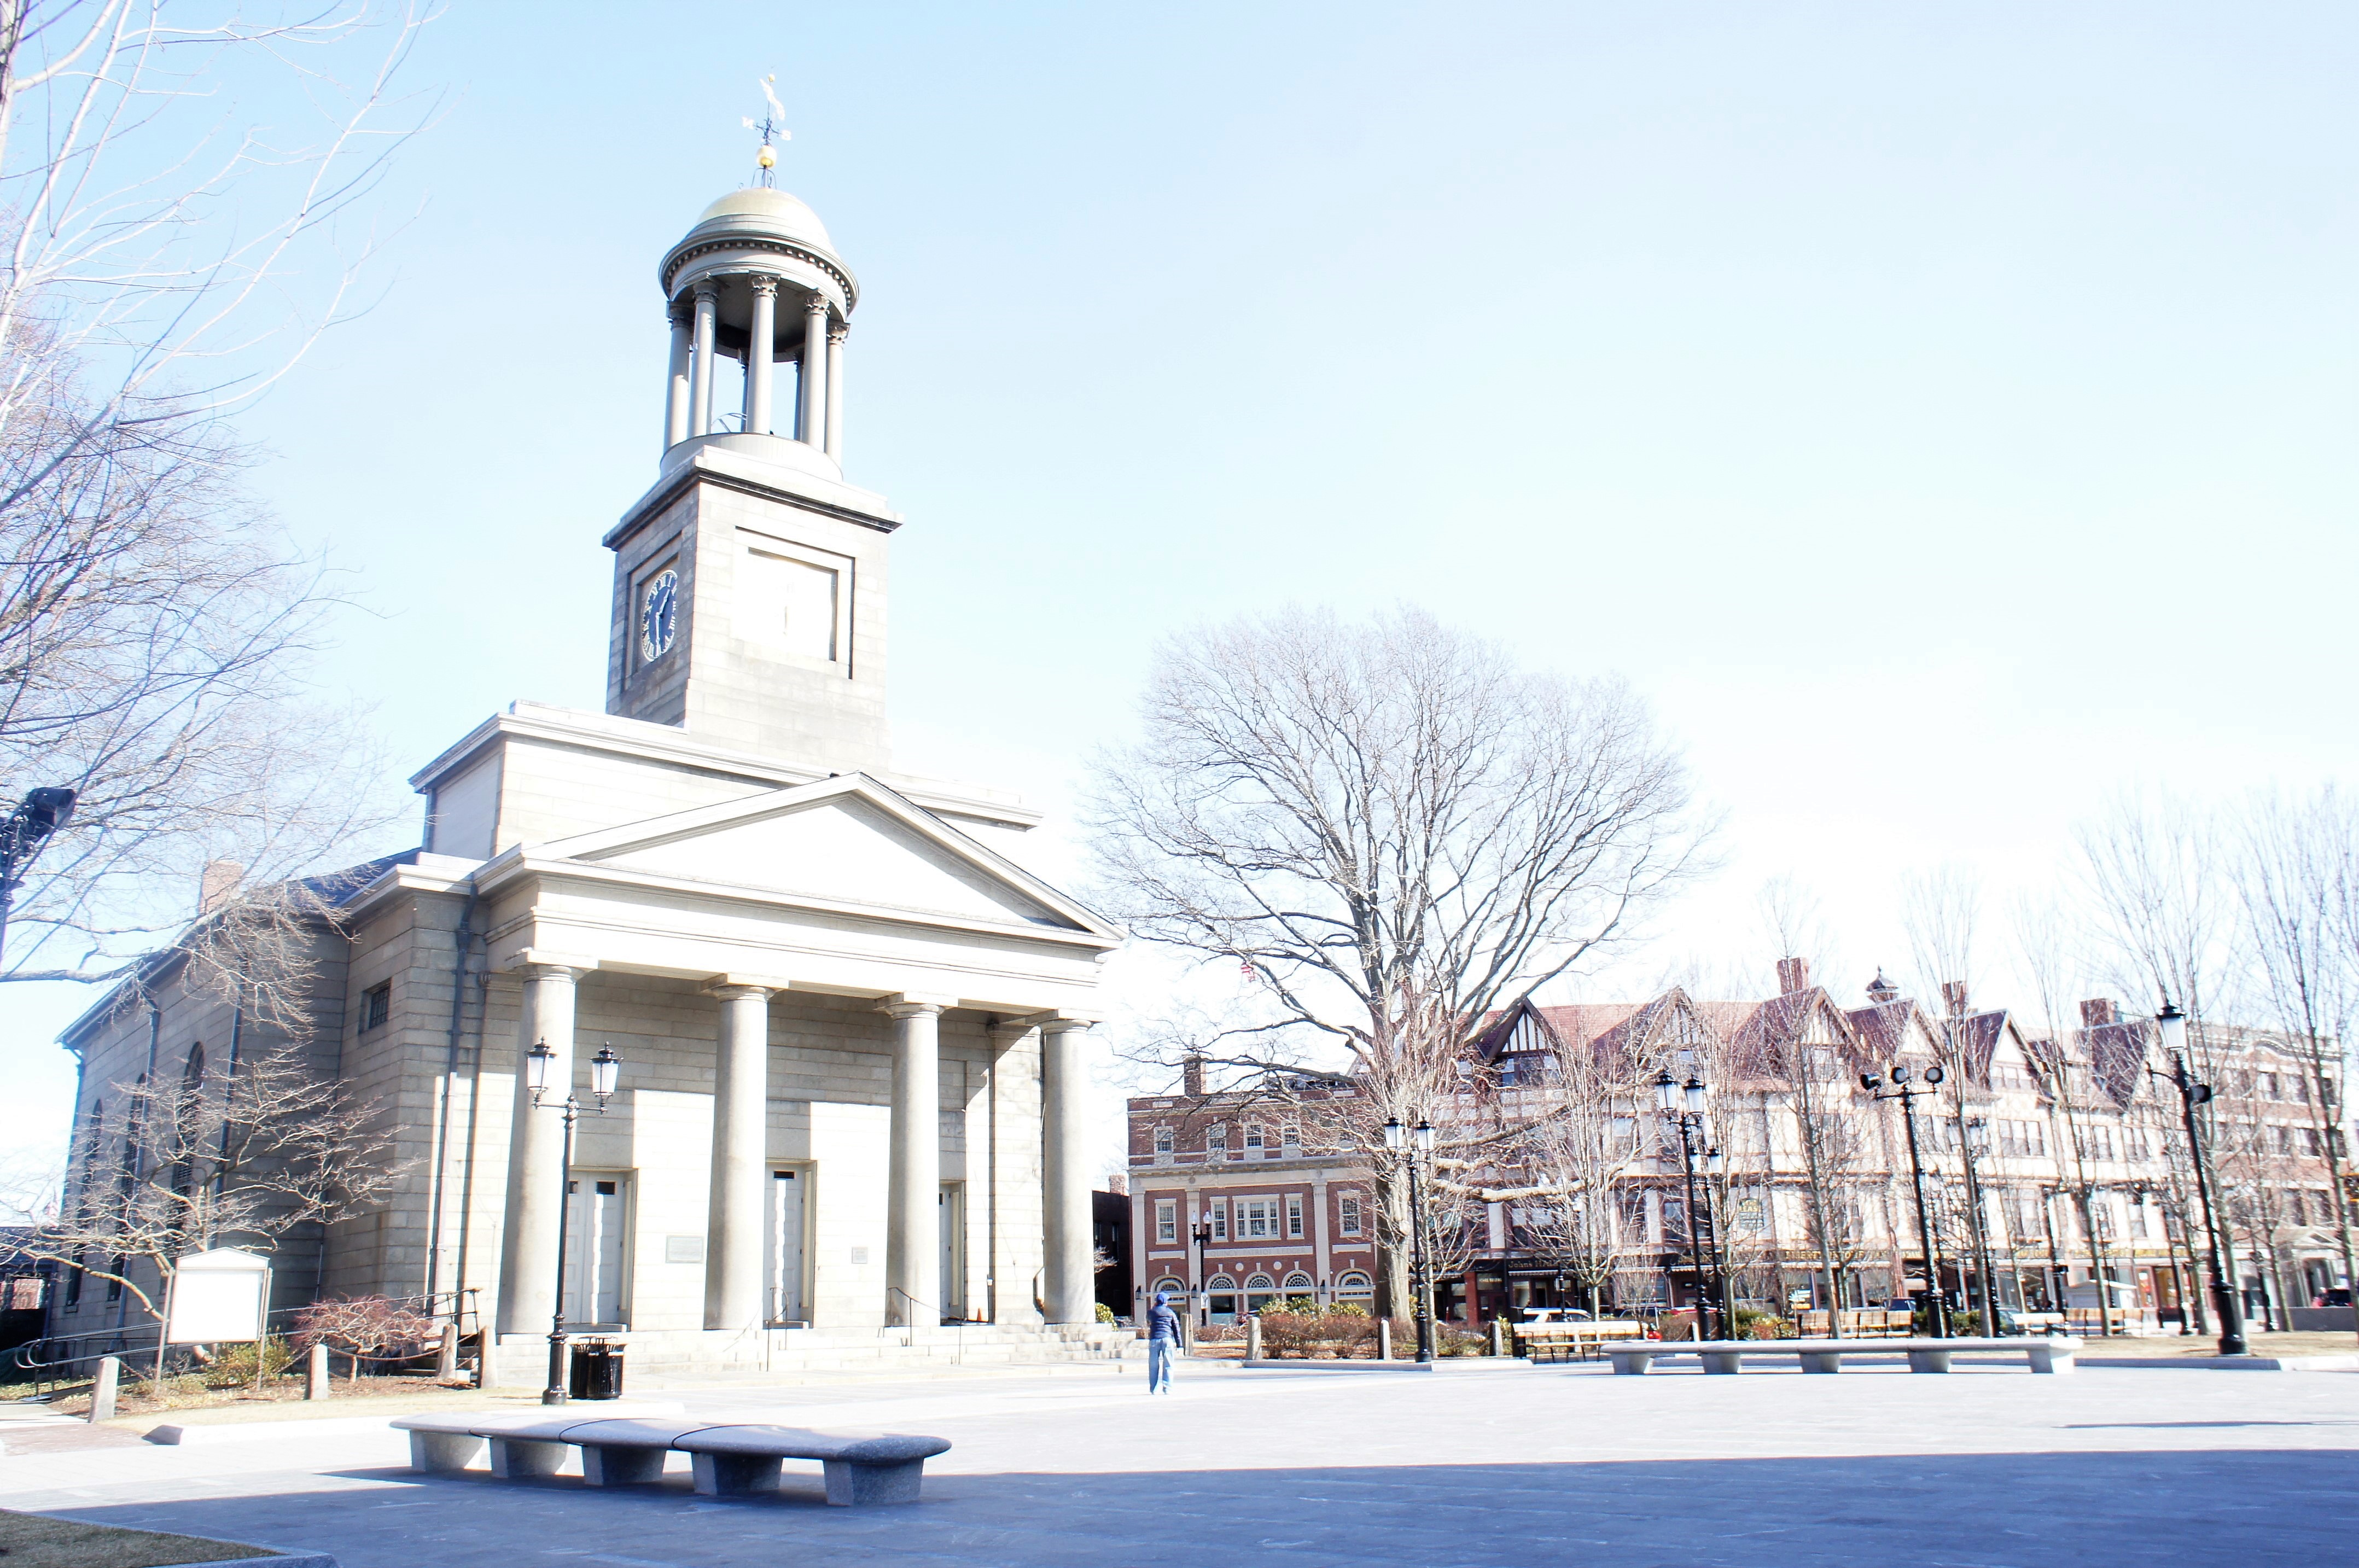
(1727, 1357)
(729, 1460)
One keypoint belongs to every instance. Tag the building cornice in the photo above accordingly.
(710, 466)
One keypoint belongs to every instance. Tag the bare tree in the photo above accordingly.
(1571, 1156)
(1390, 832)
(2288, 869)
(247, 1157)
(164, 265)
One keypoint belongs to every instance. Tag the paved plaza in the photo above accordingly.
(1489, 1466)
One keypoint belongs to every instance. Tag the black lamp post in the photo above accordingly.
(1902, 1092)
(1977, 1142)
(1202, 1236)
(1669, 1095)
(604, 1069)
(23, 832)
(2220, 1249)
(1415, 1144)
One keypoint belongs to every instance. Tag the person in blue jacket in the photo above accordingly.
(1162, 1343)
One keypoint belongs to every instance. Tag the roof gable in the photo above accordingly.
(847, 840)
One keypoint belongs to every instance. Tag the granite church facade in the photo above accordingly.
(852, 1029)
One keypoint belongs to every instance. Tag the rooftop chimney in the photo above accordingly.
(1953, 996)
(1192, 1077)
(1793, 974)
(2099, 1011)
(1880, 990)
(218, 881)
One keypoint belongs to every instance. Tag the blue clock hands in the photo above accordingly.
(659, 615)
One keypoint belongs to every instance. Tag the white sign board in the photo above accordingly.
(219, 1297)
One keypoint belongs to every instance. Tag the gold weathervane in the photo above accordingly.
(771, 131)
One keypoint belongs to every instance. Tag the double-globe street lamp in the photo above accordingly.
(1902, 1090)
(23, 832)
(606, 1068)
(1689, 1119)
(2219, 1247)
(1415, 1144)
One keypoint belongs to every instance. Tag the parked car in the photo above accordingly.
(1555, 1314)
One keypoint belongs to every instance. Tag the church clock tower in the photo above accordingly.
(749, 583)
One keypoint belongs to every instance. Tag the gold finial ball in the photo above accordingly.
(768, 158)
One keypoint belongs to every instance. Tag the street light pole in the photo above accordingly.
(1977, 1141)
(1412, 1143)
(1668, 1094)
(2220, 1250)
(1203, 1235)
(1901, 1091)
(604, 1069)
(23, 832)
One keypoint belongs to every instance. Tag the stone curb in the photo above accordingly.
(2230, 1363)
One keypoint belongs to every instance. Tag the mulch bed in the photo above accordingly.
(34, 1541)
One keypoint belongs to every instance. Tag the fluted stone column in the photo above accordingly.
(1067, 1280)
(835, 335)
(758, 350)
(810, 426)
(700, 416)
(741, 1102)
(913, 1293)
(676, 392)
(536, 1150)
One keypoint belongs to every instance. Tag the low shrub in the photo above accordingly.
(232, 1367)
(1317, 1332)
(1106, 1313)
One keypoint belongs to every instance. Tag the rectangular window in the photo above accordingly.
(1163, 1142)
(1216, 1142)
(1289, 1137)
(377, 1006)
(1167, 1219)
(1294, 1215)
(1253, 1141)
(1347, 1210)
(1218, 1213)
(1257, 1219)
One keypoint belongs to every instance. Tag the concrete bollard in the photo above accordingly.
(315, 1374)
(1384, 1339)
(445, 1360)
(1252, 1337)
(1498, 1336)
(101, 1390)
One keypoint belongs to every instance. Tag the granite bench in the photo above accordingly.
(728, 1460)
(1726, 1356)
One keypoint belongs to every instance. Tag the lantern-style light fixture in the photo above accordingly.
(606, 1068)
(2173, 1025)
(1393, 1134)
(1693, 1089)
(1900, 1073)
(1934, 1074)
(1667, 1089)
(1871, 1082)
(537, 1062)
(1425, 1138)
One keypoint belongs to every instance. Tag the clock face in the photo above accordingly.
(659, 615)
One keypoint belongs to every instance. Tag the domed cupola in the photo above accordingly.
(756, 280)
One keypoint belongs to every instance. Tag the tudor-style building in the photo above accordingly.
(853, 1027)
(2056, 1165)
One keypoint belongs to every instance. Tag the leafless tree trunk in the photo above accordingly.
(2291, 873)
(154, 627)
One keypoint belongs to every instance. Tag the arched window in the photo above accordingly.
(1297, 1280)
(1221, 1299)
(1260, 1291)
(1354, 1286)
(192, 1076)
(1168, 1286)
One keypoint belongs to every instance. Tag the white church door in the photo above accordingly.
(595, 1225)
(782, 1263)
(953, 1260)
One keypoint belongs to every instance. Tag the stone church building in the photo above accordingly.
(852, 1095)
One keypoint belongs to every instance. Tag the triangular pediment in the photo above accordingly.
(846, 841)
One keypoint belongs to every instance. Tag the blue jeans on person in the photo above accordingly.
(1159, 1352)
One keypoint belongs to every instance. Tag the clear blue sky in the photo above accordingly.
(1944, 414)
